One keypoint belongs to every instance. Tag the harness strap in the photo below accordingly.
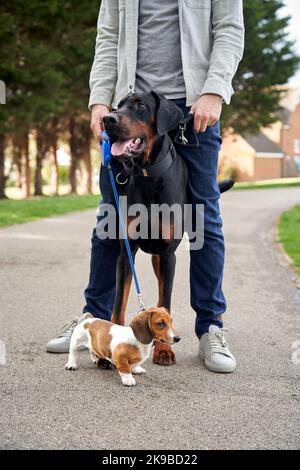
(155, 169)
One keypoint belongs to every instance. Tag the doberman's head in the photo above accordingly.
(137, 124)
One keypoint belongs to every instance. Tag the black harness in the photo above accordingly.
(164, 159)
(154, 169)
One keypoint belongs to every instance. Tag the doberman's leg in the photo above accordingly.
(156, 268)
(164, 268)
(123, 283)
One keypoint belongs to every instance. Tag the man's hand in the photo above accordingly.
(98, 113)
(207, 111)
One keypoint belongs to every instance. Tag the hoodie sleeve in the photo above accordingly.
(227, 49)
(103, 75)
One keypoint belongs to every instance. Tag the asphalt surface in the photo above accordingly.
(44, 269)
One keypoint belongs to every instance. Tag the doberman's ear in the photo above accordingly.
(140, 325)
(168, 114)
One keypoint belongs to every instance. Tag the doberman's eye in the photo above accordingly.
(140, 106)
(160, 324)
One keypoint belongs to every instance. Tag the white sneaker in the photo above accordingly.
(214, 351)
(61, 343)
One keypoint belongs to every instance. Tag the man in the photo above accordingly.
(188, 51)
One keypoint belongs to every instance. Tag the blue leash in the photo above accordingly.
(106, 161)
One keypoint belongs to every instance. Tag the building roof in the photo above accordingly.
(261, 144)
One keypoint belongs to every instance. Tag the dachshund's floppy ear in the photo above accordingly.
(168, 114)
(140, 325)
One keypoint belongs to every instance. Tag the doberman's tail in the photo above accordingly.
(225, 185)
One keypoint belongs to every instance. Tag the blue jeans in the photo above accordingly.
(206, 264)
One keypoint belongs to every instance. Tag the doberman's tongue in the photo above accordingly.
(126, 146)
(118, 148)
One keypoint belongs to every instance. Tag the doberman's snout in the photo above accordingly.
(111, 119)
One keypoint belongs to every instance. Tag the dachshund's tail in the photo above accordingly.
(225, 185)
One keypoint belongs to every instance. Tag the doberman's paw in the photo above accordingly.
(163, 355)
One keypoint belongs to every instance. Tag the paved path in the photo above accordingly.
(44, 268)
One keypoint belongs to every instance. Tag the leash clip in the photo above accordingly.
(182, 128)
(182, 138)
(142, 305)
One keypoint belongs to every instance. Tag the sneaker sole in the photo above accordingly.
(62, 350)
(213, 368)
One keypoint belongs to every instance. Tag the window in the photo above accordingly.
(297, 162)
(296, 145)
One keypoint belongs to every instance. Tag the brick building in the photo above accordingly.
(273, 153)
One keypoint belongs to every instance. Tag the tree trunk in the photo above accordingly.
(42, 147)
(54, 173)
(17, 142)
(80, 139)
(74, 159)
(26, 166)
(88, 168)
(2, 168)
(53, 126)
(84, 144)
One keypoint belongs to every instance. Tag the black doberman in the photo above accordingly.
(153, 174)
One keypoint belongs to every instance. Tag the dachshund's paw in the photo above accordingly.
(71, 365)
(128, 380)
(163, 355)
(137, 370)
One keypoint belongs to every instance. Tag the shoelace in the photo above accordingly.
(67, 328)
(217, 342)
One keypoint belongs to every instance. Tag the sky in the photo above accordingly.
(293, 8)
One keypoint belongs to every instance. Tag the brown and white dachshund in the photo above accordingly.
(126, 347)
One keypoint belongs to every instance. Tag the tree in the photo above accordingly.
(269, 61)
(30, 55)
(78, 56)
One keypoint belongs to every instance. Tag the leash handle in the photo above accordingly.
(105, 149)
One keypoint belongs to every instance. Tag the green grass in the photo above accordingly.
(289, 234)
(25, 210)
(281, 183)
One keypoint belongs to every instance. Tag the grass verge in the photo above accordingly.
(271, 184)
(26, 210)
(289, 234)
